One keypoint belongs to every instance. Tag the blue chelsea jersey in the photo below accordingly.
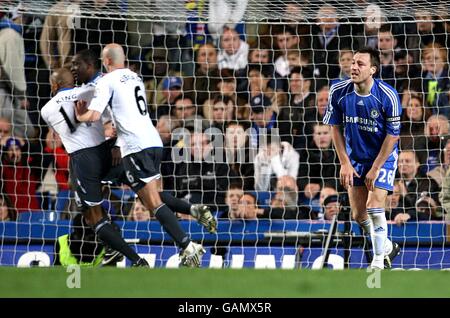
(367, 119)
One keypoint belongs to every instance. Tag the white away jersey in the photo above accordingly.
(124, 91)
(59, 113)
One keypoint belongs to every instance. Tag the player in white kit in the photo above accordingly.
(90, 157)
(141, 145)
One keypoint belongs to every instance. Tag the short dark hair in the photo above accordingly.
(374, 56)
(90, 57)
(265, 70)
(252, 195)
(222, 99)
(184, 96)
(385, 28)
(305, 71)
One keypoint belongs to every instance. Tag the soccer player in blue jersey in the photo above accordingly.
(370, 111)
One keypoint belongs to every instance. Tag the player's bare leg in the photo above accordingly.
(358, 200)
(150, 197)
(93, 215)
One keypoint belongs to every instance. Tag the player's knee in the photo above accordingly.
(359, 216)
(150, 196)
(93, 214)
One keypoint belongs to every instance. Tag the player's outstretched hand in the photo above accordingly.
(371, 176)
(346, 175)
(80, 108)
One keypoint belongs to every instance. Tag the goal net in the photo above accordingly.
(237, 90)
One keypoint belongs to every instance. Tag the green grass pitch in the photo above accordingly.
(197, 283)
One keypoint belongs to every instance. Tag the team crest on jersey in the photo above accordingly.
(374, 113)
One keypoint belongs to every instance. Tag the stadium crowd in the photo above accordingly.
(242, 104)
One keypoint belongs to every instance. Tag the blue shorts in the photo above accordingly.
(385, 179)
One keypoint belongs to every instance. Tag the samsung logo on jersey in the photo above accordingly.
(67, 98)
(124, 78)
(360, 120)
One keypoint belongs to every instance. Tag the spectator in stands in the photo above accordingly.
(286, 41)
(260, 61)
(298, 58)
(286, 193)
(413, 121)
(273, 161)
(200, 179)
(314, 115)
(345, 64)
(325, 192)
(397, 206)
(238, 155)
(414, 181)
(332, 207)
(13, 101)
(224, 111)
(444, 195)
(386, 45)
(138, 212)
(224, 13)
(259, 77)
(260, 55)
(402, 25)
(285, 203)
(56, 36)
(184, 109)
(155, 71)
(406, 72)
(368, 34)
(172, 90)
(97, 27)
(207, 76)
(5, 130)
(438, 174)
(263, 118)
(329, 36)
(7, 211)
(227, 86)
(436, 78)
(18, 181)
(60, 158)
(318, 163)
(232, 197)
(233, 51)
(247, 209)
(429, 146)
(301, 99)
(165, 127)
(427, 32)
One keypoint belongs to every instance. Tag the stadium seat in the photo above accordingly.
(32, 217)
(62, 199)
(263, 198)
